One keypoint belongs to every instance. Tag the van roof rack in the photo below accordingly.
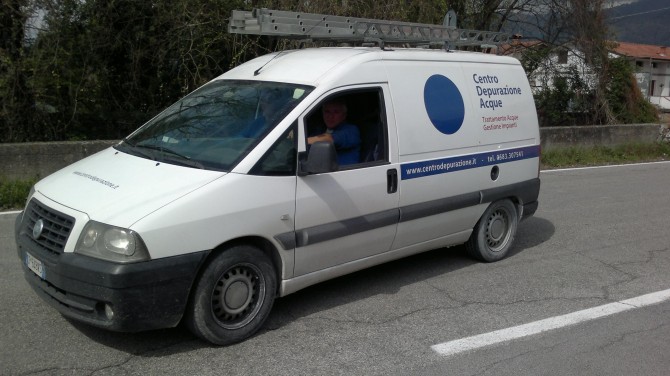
(324, 27)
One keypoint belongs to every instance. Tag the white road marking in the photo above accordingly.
(10, 212)
(508, 334)
(606, 166)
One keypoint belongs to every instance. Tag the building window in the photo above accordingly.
(639, 64)
(563, 57)
(653, 65)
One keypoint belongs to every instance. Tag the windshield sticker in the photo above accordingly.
(96, 179)
(466, 162)
(444, 104)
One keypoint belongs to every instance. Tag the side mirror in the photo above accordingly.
(321, 158)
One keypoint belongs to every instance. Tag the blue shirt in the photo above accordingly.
(254, 129)
(347, 141)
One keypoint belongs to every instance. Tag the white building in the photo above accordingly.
(653, 70)
(554, 61)
(652, 64)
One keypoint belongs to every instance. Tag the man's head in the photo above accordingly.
(334, 113)
(270, 102)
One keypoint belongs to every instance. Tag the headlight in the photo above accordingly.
(111, 243)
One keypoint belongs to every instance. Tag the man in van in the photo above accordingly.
(345, 136)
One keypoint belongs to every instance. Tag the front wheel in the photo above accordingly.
(233, 296)
(494, 233)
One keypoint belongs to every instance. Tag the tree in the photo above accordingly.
(627, 103)
(15, 96)
(493, 15)
(591, 37)
(101, 68)
(566, 102)
(580, 28)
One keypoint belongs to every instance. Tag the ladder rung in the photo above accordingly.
(302, 16)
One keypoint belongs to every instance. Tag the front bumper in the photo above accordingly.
(141, 296)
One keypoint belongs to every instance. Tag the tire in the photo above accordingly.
(233, 296)
(494, 234)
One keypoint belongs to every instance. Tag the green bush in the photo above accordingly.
(569, 100)
(626, 101)
(13, 193)
(603, 155)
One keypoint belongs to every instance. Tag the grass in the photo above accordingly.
(604, 155)
(13, 193)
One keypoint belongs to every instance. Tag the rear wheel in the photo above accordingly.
(494, 233)
(233, 296)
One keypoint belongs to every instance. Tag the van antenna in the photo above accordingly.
(258, 71)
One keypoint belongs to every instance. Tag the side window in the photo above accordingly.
(355, 122)
(281, 159)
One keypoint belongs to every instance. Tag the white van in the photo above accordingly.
(218, 205)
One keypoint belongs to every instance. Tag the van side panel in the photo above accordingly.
(503, 104)
(459, 123)
(487, 119)
(232, 207)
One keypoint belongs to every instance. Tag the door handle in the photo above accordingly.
(391, 181)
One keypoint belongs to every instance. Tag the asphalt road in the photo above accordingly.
(600, 236)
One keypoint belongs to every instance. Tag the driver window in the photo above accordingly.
(354, 122)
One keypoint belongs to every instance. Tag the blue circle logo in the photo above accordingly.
(444, 104)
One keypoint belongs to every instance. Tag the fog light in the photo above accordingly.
(89, 238)
(109, 312)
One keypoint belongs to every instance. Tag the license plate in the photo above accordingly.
(35, 265)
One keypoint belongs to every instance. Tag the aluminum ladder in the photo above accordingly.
(312, 26)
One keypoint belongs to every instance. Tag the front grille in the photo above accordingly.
(56, 230)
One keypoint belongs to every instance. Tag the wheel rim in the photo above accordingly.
(238, 296)
(498, 230)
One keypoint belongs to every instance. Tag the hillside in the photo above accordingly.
(643, 21)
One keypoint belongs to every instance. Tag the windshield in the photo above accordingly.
(215, 126)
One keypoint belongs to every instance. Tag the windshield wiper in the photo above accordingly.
(182, 159)
(129, 147)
